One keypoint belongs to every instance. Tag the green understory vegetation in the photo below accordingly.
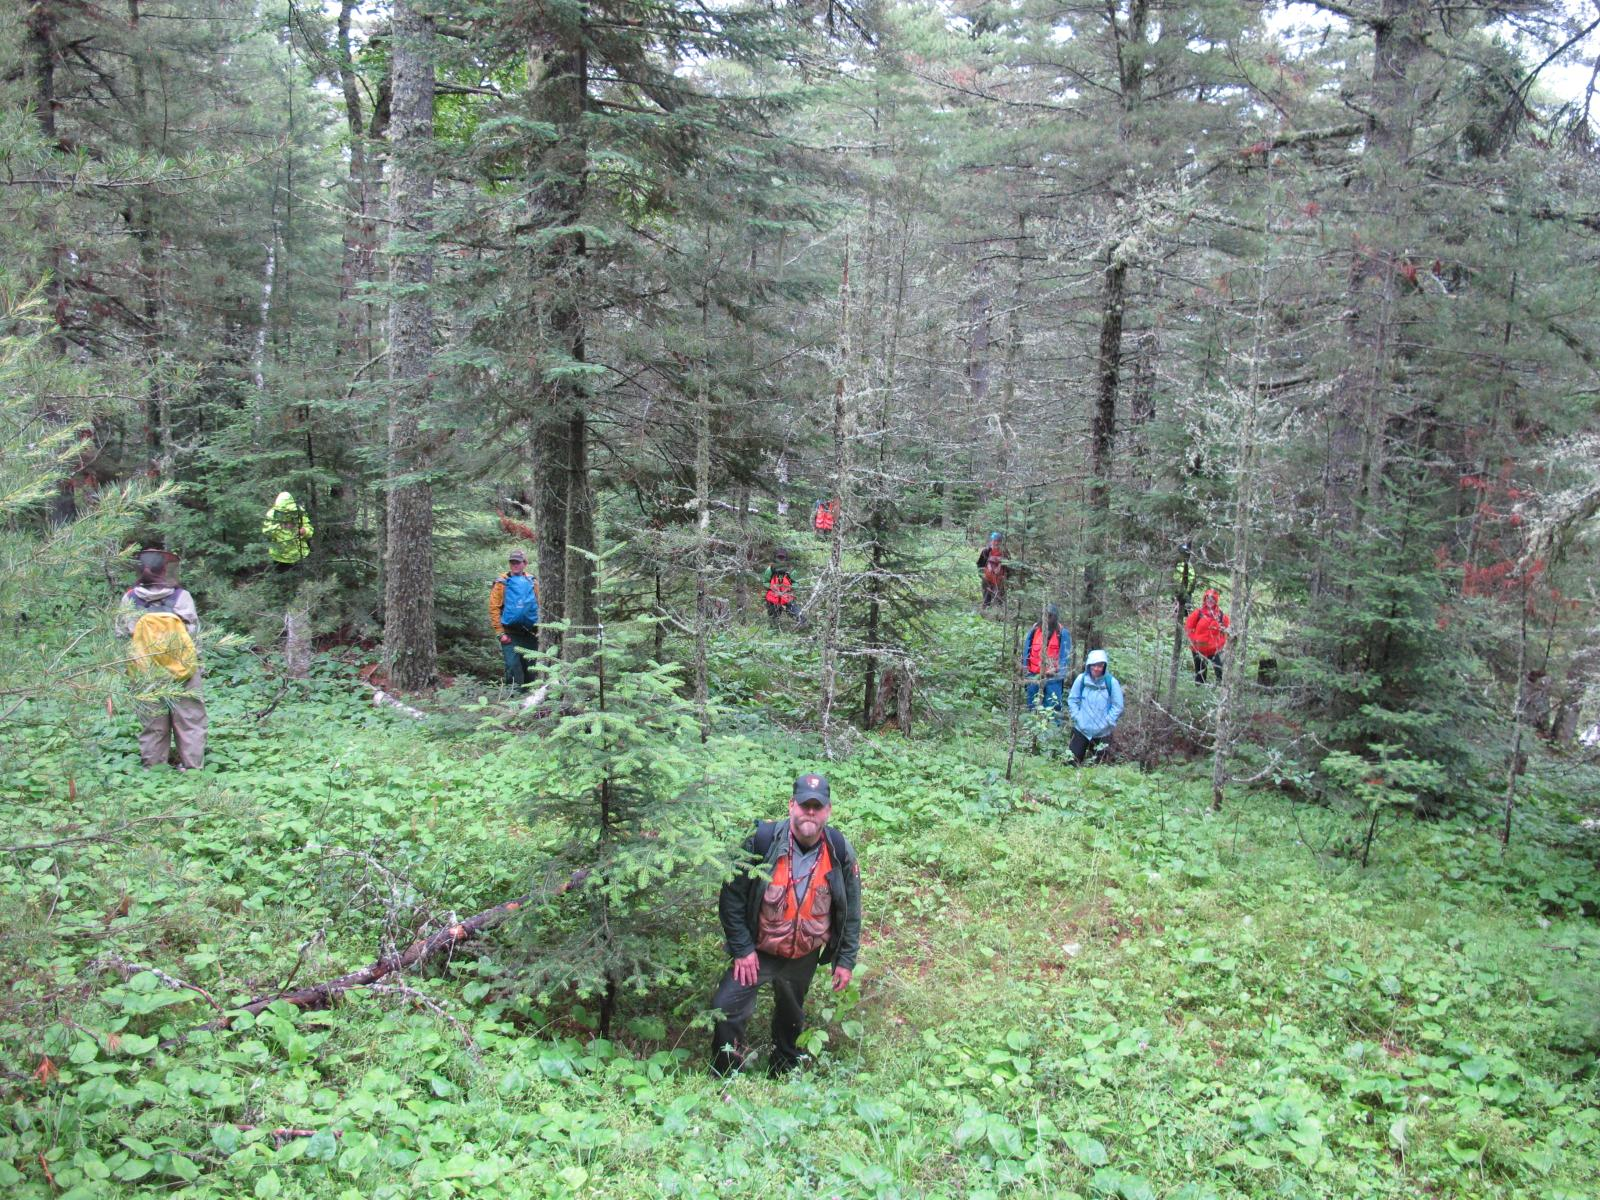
(1073, 983)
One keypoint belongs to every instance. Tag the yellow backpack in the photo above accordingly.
(161, 640)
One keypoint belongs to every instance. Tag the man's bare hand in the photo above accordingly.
(841, 978)
(747, 970)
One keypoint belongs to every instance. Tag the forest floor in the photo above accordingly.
(1071, 983)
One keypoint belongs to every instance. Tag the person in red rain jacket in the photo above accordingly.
(1207, 627)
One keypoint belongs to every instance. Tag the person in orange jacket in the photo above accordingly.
(514, 617)
(1207, 627)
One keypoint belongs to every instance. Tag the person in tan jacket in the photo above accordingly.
(160, 620)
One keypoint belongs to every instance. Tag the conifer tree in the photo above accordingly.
(632, 808)
(408, 631)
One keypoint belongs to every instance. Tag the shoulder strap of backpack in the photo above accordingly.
(838, 849)
(167, 603)
(766, 834)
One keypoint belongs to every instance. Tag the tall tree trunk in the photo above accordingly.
(358, 267)
(143, 228)
(1178, 639)
(1353, 474)
(702, 504)
(1132, 49)
(408, 631)
(363, 188)
(552, 464)
(882, 648)
(1519, 712)
(581, 609)
(1231, 689)
(560, 80)
(1142, 408)
(41, 64)
(1013, 353)
(269, 275)
(1102, 441)
(41, 67)
(981, 334)
(833, 581)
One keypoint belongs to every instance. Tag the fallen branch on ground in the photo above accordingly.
(320, 995)
(128, 970)
(283, 690)
(280, 1136)
(384, 699)
(433, 1006)
(109, 835)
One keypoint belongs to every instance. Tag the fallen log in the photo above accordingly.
(383, 699)
(319, 995)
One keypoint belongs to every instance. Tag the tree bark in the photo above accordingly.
(1519, 714)
(363, 186)
(1131, 47)
(1581, 670)
(559, 78)
(41, 66)
(702, 503)
(833, 581)
(1102, 441)
(1353, 475)
(581, 609)
(408, 632)
(1231, 689)
(552, 465)
(143, 229)
(296, 641)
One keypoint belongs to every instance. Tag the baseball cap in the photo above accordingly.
(811, 787)
(517, 556)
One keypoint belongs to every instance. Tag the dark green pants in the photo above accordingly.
(522, 638)
(789, 977)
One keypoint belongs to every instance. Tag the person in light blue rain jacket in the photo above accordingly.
(1095, 703)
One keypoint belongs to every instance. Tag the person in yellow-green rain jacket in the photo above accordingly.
(288, 532)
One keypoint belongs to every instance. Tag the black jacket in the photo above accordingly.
(739, 905)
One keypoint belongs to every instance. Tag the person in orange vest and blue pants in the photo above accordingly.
(780, 588)
(1046, 659)
(793, 901)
